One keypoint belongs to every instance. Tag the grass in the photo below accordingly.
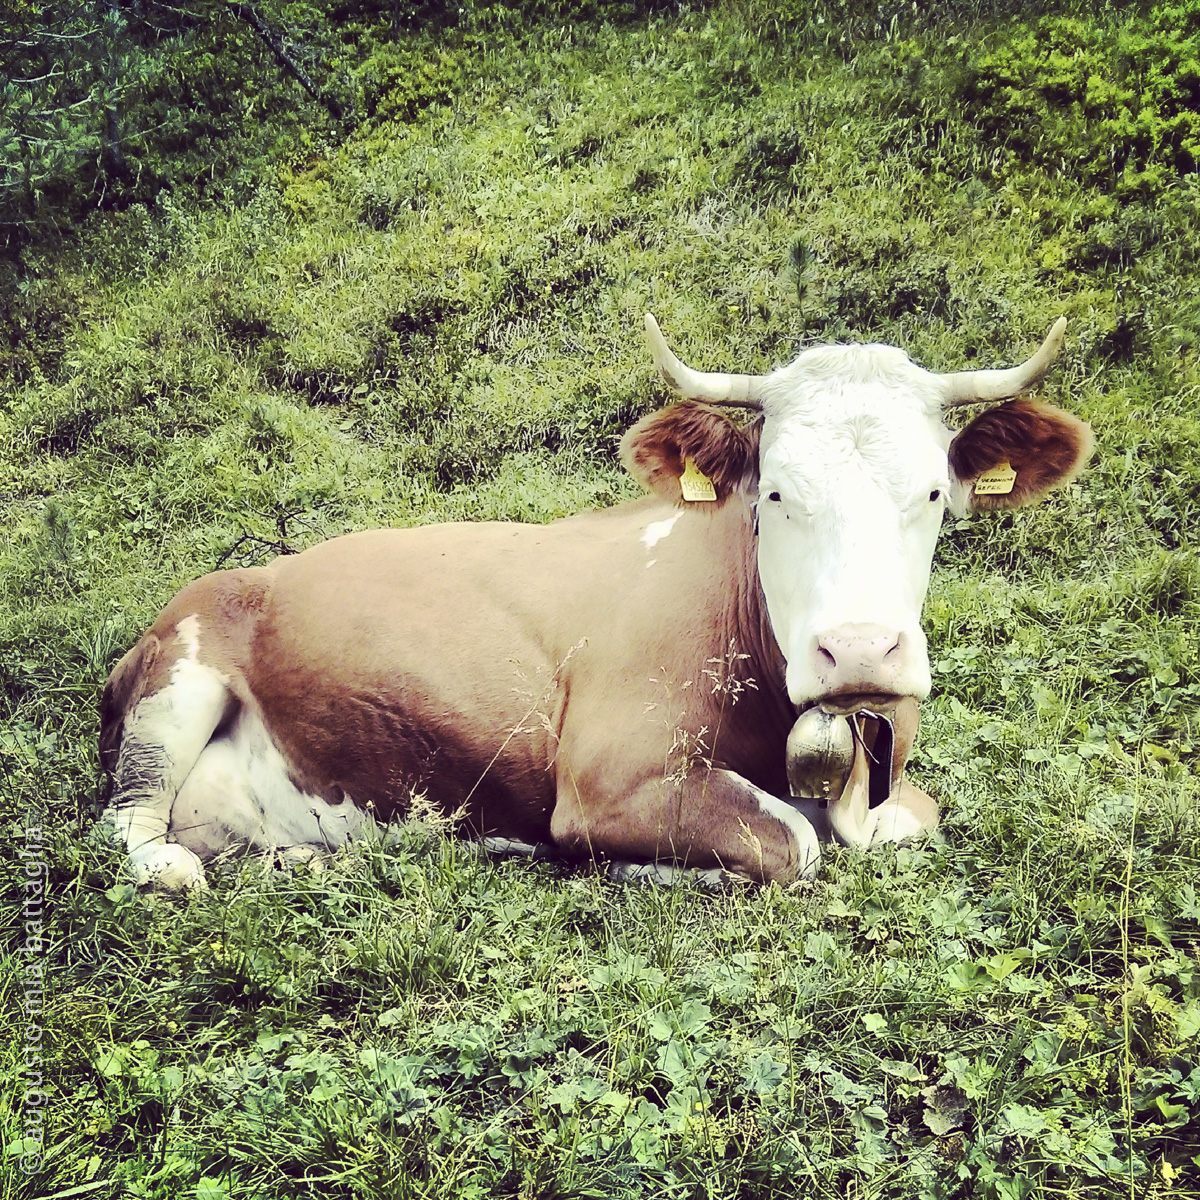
(438, 317)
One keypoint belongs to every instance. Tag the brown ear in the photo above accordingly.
(657, 448)
(1045, 446)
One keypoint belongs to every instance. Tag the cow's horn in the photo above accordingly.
(739, 391)
(978, 387)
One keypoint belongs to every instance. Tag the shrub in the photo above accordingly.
(1116, 106)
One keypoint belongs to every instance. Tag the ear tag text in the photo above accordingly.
(695, 484)
(996, 481)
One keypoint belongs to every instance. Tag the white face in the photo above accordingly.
(852, 486)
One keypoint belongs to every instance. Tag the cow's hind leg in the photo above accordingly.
(240, 795)
(162, 739)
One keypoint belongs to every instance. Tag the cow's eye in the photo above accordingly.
(936, 494)
(773, 496)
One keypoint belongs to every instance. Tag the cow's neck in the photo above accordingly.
(745, 623)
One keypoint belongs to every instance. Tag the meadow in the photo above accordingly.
(433, 312)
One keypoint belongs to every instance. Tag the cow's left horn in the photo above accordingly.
(740, 391)
(978, 387)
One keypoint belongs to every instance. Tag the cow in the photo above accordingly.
(638, 685)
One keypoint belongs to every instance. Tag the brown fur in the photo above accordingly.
(135, 676)
(1044, 445)
(654, 450)
(495, 667)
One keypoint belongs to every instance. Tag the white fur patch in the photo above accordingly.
(167, 866)
(239, 795)
(857, 824)
(850, 817)
(162, 741)
(188, 632)
(657, 530)
(180, 798)
(852, 449)
(808, 847)
(895, 822)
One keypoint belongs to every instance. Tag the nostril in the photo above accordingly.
(863, 657)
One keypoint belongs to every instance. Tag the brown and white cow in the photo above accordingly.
(620, 684)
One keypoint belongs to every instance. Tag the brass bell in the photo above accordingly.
(820, 755)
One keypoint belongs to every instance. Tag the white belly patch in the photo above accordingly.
(239, 794)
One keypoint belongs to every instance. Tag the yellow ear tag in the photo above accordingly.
(695, 484)
(996, 481)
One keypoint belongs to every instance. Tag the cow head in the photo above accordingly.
(850, 469)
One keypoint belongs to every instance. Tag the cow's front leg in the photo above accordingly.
(908, 811)
(712, 818)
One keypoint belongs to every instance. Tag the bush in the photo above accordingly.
(1110, 105)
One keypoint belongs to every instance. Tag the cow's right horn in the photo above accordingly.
(739, 391)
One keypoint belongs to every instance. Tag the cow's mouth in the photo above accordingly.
(871, 732)
(880, 703)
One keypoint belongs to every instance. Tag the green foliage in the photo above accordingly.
(109, 104)
(397, 82)
(1114, 101)
(435, 314)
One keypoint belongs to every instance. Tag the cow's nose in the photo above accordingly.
(859, 658)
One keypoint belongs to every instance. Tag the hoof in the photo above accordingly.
(171, 867)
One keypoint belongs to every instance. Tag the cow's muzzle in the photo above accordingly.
(826, 740)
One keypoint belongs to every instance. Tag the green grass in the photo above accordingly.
(438, 317)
